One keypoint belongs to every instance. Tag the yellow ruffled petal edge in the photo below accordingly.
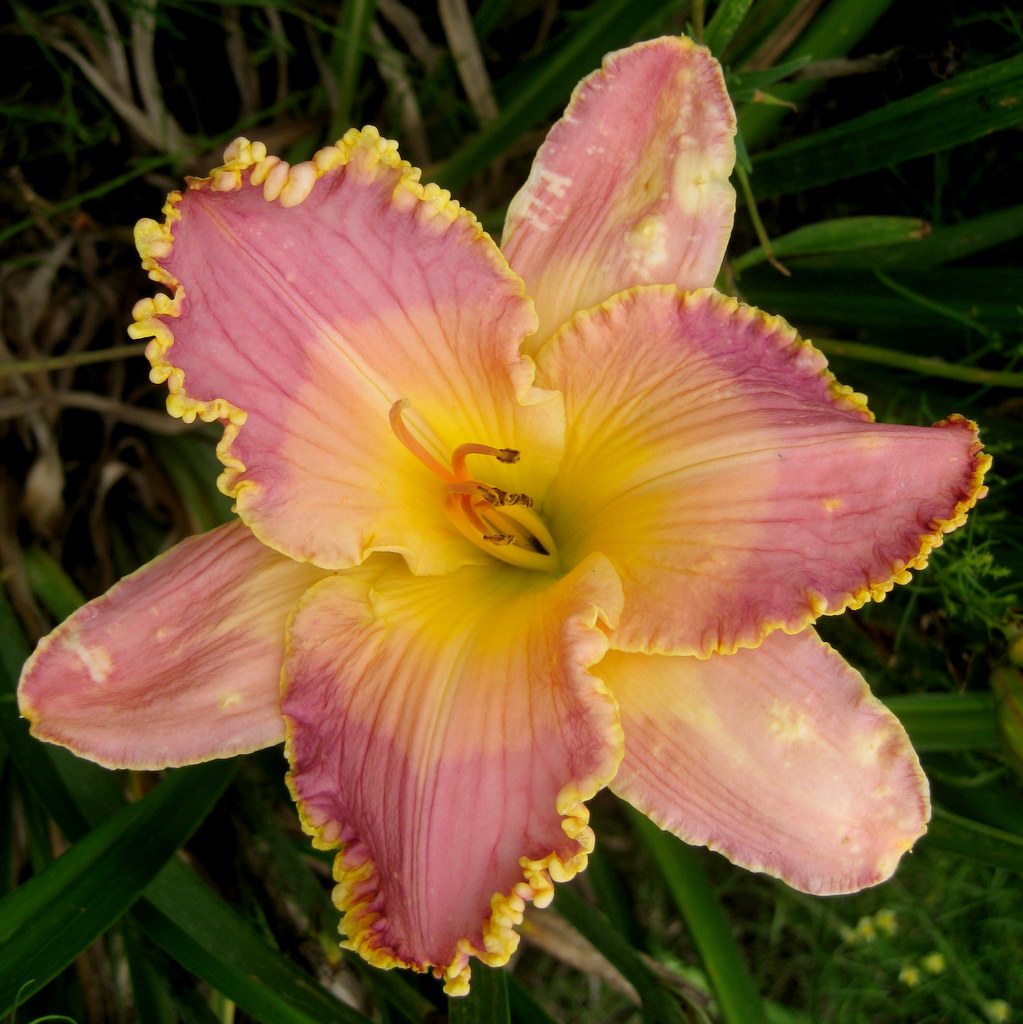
(928, 542)
(357, 875)
(794, 359)
(357, 882)
(845, 397)
(289, 185)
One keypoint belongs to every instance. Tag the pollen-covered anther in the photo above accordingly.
(493, 495)
(499, 538)
(509, 456)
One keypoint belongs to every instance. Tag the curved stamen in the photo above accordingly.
(458, 456)
(402, 433)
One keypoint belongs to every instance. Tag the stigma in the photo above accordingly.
(502, 523)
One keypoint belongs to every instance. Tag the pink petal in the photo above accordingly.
(179, 662)
(631, 186)
(778, 757)
(299, 326)
(734, 485)
(446, 729)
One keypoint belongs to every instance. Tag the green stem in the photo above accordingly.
(698, 18)
(926, 366)
(49, 209)
(758, 224)
(105, 355)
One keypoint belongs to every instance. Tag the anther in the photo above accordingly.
(459, 455)
(498, 498)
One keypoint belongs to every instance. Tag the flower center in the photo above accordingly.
(500, 522)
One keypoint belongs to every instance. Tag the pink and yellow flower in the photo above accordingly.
(493, 552)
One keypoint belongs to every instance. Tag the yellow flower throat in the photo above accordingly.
(499, 522)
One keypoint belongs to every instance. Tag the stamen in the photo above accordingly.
(458, 456)
(489, 516)
(402, 433)
(460, 497)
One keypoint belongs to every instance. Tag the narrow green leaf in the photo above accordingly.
(724, 23)
(944, 244)
(190, 461)
(214, 942)
(152, 984)
(612, 897)
(658, 1004)
(14, 650)
(488, 15)
(105, 355)
(141, 167)
(487, 1001)
(736, 994)
(1007, 683)
(744, 85)
(31, 760)
(832, 33)
(47, 922)
(987, 298)
(952, 721)
(525, 1009)
(351, 43)
(51, 584)
(975, 841)
(938, 118)
(841, 235)
(396, 997)
(985, 800)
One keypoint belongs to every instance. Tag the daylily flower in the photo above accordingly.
(495, 553)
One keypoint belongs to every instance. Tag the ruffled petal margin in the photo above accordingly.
(735, 486)
(779, 758)
(305, 302)
(445, 732)
(631, 186)
(178, 663)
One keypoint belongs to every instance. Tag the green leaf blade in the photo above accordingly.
(46, 923)
(935, 119)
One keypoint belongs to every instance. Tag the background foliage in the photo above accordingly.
(883, 164)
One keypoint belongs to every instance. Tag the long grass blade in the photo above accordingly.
(346, 60)
(975, 841)
(842, 235)
(985, 299)
(737, 996)
(941, 721)
(487, 1001)
(938, 118)
(47, 922)
(658, 1005)
(724, 24)
(833, 33)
